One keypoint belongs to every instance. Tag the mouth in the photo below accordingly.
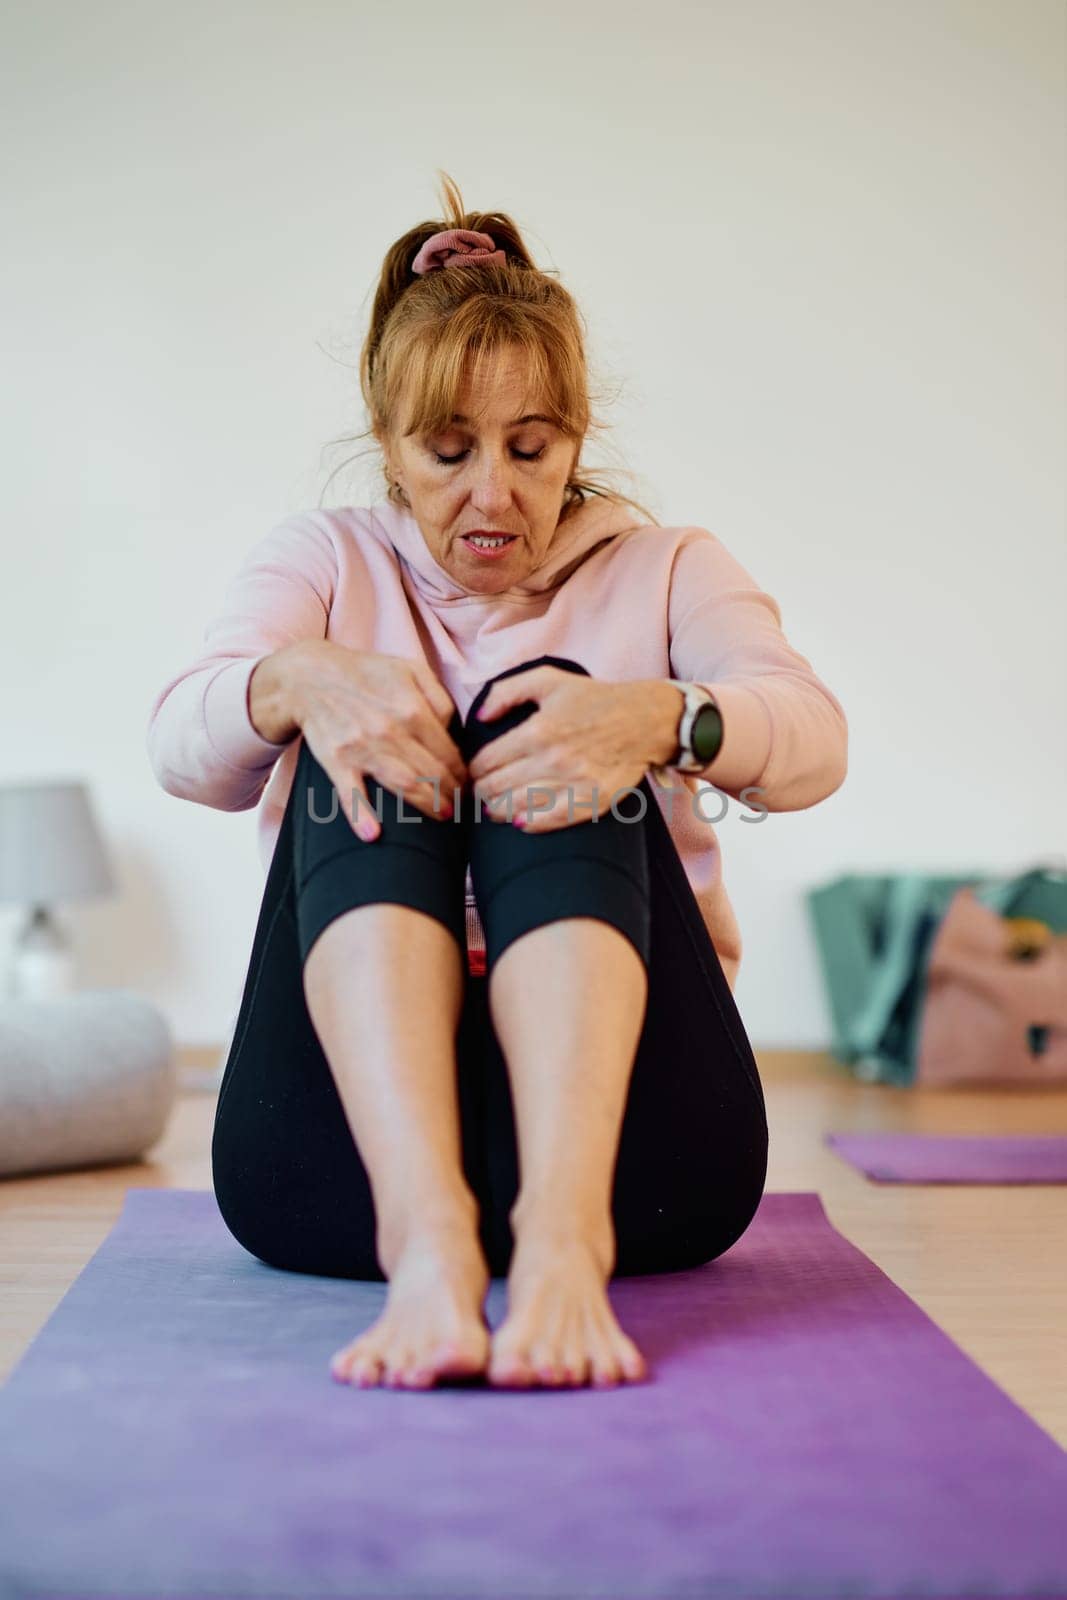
(490, 546)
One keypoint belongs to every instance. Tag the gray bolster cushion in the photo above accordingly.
(85, 1079)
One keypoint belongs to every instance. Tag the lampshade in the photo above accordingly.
(51, 849)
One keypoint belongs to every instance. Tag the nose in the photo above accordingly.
(492, 488)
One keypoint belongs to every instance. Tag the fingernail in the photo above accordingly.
(518, 822)
(366, 831)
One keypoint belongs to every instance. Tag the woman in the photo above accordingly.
(487, 1025)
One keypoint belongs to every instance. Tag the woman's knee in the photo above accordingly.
(523, 881)
(416, 860)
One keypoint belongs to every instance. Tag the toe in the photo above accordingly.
(365, 1371)
(510, 1368)
(408, 1368)
(417, 1377)
(346, 1361)
(576, 1364)
(543, 1359)
(633, 1362)
(341, 1361)
(605, 1369)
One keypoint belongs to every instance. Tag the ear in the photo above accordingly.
(385, 445)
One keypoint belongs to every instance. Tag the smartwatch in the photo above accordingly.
(700, 731)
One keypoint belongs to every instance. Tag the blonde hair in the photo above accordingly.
(429, 333)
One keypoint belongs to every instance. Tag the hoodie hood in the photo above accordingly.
(593, 522)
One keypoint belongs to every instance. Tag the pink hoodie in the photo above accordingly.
(626, 599)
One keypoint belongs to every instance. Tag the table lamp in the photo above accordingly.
(51, 850)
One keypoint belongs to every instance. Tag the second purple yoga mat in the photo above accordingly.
(955, 1158)
(808, 1432)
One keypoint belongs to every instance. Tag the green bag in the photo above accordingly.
(874, 933)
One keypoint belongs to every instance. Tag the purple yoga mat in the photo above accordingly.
(807, 1432)
(955, 1158)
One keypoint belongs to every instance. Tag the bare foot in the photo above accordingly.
(433, 1325)
(560, 1328)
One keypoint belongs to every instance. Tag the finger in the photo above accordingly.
(435, 691)
(508, 692)
(508, 747)
(542, 817)
(439, 752)
(430, 727)
(559, 805)
(543, 804)
(355, 804)
(410, 772)
(426, 765)
(525, 788)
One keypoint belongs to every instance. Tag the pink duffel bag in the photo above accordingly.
(995, 1006)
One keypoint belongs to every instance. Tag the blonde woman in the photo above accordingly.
(488, 1024)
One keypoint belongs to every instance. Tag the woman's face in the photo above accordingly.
(500, 468)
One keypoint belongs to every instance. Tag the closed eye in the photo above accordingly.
(522, 455)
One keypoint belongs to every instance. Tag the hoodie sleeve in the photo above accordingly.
(201, 741)
(784, 732)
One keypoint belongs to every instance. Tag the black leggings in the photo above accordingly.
(692, 1155)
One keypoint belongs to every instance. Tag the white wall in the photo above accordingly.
(819, 242)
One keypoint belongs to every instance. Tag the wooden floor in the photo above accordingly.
(987, 1264)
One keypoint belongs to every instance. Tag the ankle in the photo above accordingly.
(448, 1228)
(538, 1221)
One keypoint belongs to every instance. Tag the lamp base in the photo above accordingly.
(42, 964)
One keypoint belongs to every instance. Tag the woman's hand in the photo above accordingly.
(364, 712)
(586, 735)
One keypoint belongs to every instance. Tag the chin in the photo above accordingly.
(487, 576)
(488, 582)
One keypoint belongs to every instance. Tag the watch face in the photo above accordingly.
(705, 736)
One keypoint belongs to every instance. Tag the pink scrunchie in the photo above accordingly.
(455, 244)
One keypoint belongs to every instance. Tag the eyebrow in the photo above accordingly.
(531, 416)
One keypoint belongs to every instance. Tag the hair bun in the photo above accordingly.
(455, 244)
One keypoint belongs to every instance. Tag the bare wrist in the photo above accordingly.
(275, 691)
(666, 703)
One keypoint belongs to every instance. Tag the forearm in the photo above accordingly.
(746, 733)
(783, 732)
